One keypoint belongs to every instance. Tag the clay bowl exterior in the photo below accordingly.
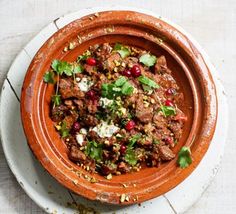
(132, 28)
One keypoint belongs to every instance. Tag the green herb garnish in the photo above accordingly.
(155, 141)
(184, 157)
(133, 140)
(147, 81)
(130, 157)
(49, 77)
(148, 59)
(64, 131)
(56, 100)
(94, 150)
(78, 69)
(120, 87)
(120, 81)
(168, 110)
(122, 50)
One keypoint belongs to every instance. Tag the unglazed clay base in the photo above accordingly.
(50, 195)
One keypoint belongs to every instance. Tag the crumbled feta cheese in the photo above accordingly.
(83, 131)
(80, 139)
(85, 84)
(105, 130)
(104, 102)
(77, 79)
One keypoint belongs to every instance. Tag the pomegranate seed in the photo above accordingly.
(91, 94)
(130, 125)
(127, 73)
(169, 140)
(91, 61)
(170, 91)
(135, 71)
(169, 103)
(76, 126)
(123, 149)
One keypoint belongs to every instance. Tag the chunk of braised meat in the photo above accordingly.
(89, 69)
(109, 168)
(94, 136)
(161, 65)
(153, 159)
(70, 119)
(76, 155)
(123, 167)
(110, 63)
(103, 52)
(79, 103)
(144, 114)
(68, 89)
(58, 113)
(92, 106)
(159, 120)
(131, 61)
(68, 103)
(90, 120)
(176, 128)
(166, 153)
(130, 100)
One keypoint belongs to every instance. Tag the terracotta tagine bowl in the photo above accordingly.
(135, 29)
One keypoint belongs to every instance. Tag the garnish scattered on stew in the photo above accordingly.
(117, 109)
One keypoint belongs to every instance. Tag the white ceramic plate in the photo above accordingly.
(53, 197)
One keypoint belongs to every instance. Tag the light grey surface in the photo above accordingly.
(212, 23)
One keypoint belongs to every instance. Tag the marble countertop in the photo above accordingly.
(212, 23)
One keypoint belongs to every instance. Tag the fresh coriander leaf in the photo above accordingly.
(55, 64)
(130, 157)
(133, 140)
(127, 89)
(118, 46)
(49, 77)
(147, 88)
(62, 67)
(56, 99)
(148, 59)
(168, 110)
(184, 157)
(147, 81)
(65, 67)
(78, 69)
(120, 81)
(124, 52)
(64, 131)
(155, 141)
(94, 150)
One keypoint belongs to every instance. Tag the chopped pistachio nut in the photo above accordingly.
(127, 198)
(65, 49)
(58, 127)
(72, 45)
(75, 182)
(122, 198)
(93, 180)
(109, 177)
(152, 101)
(125, 185)
(96, 14)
